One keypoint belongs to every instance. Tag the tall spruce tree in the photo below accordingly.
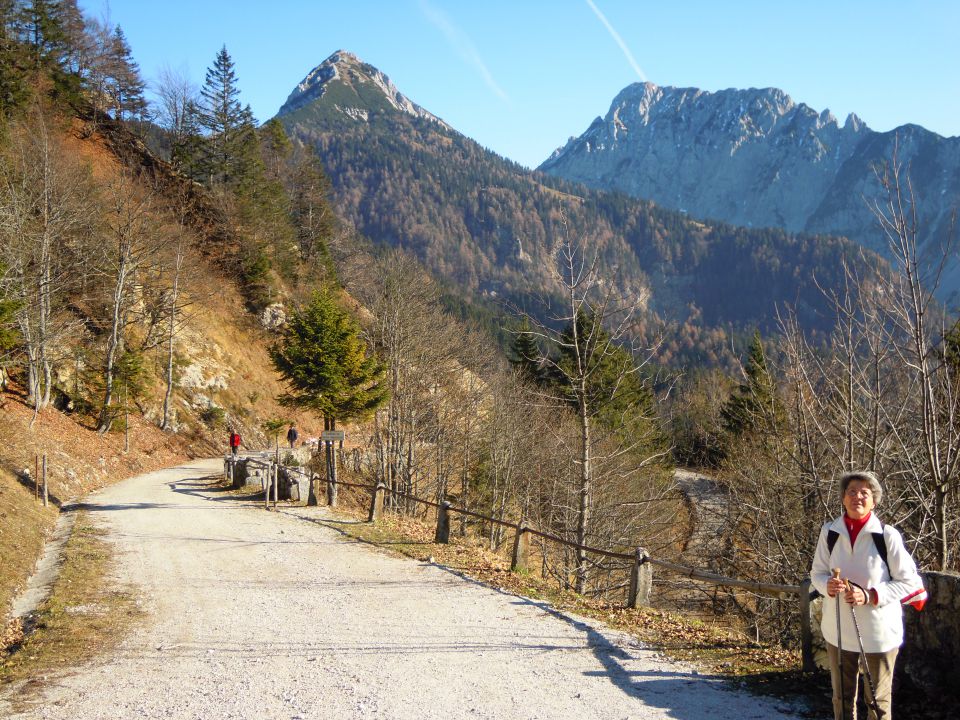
(620, 398)
(8, 334)
(13, 84)
(126, 86)
(754, 405)
(39, 27)
(227, 123)
(316, 223)
(328, 370)
(526, 356)
(326, 364)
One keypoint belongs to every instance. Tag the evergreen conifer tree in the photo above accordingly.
(314, 219)
(13, 85)
(326, 364)
(39, 27)
(526, 354)
(620, 397)
(226, 121)
(186, 146)
(126, 85)
(754, 405)
(8, 326)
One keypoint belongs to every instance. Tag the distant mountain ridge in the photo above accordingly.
(757, 158)
(490, 227)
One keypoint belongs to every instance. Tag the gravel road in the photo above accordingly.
(269, 615)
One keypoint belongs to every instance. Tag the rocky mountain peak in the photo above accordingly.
(755, 157)
(352, 87)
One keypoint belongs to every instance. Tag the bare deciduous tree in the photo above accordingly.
(46, 202)
(587, 350)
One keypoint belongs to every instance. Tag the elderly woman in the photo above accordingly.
(877, 576)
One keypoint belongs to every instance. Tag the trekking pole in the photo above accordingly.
(836, 574)
(874, 705)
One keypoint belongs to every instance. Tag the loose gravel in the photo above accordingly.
(255, 614)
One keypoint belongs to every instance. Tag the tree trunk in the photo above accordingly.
(583, 519)
(171, 334)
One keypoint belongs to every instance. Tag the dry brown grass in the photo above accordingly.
(24, 525)
(84, 616)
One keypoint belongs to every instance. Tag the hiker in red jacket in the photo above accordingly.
(863, 601)
(234, 442)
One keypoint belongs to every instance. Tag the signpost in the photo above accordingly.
(329, 437)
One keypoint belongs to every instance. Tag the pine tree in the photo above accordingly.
(525, 355)
(8, 321)
(13, 83)
(326, 365)
(186, 146)
(126, 86)
(277, 149)
(314, 219)
(620, 397)
(226, 121)
(40, 28)
(754, 405)
(8, 332)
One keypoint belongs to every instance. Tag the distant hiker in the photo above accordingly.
(292, 436)
(877, 577)
(234, 442)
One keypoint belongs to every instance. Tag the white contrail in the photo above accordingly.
(463, 45)
(619, 40)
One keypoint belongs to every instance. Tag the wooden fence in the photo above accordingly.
(641, 573)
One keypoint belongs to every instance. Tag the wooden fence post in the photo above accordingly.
(276, 484)
(376, 503)
(521, 549)
(312, 492)
(806, 634)
(267, 475)
(329, 454)
(331, 492)
(443, 523)
(641, 579)
(45, 489)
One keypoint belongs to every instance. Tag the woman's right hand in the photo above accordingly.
(835, 586)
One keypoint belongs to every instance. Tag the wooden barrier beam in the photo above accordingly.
(266, 487)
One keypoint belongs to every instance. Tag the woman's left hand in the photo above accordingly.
(855, 596)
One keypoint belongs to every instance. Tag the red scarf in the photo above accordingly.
(855, 526)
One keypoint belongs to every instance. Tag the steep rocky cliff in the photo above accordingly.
(757, 158)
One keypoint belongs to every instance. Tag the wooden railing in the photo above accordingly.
(641, 573)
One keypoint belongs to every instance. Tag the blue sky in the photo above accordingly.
(521, 76)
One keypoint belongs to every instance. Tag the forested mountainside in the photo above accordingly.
(757, 158)
(486, 224)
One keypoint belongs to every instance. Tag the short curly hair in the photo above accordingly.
(867, 476)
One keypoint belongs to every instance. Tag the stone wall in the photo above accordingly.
(930, 657)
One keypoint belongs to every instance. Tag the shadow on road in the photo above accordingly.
(655, 688)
